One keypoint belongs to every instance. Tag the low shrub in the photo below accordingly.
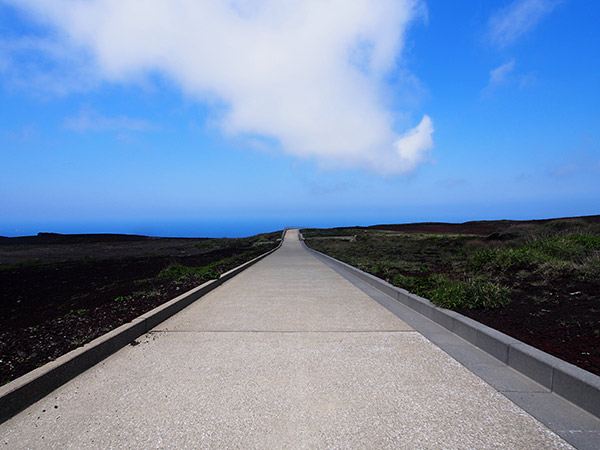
(472, 293)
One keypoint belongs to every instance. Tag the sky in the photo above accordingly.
(229, 118)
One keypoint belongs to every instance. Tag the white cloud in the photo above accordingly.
(44, 65)
(412, 147)
(499, 76)
(504, 76)
(518, 18)
(90, 120)
(308, 73)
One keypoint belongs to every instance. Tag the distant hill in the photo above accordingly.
(484, 227)
(62, 239)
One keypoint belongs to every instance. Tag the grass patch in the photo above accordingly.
(472, 293)
(212, 271)
(552, 256)
(470, 271)
(178, 272)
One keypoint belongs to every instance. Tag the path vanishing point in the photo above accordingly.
(287, 354)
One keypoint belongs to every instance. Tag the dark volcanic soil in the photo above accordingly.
(51, 305)
(565, 325)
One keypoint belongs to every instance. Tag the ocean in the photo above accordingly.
(213, 228)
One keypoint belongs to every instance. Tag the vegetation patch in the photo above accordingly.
(178, 272)
(455, 294)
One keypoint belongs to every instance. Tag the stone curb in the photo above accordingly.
(574, 384)
(29, 388)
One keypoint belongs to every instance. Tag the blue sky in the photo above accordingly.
(231, 118)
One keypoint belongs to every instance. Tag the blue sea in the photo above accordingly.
(213, 228)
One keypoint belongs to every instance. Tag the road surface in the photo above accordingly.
(287, 354)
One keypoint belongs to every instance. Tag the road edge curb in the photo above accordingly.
(31, 387)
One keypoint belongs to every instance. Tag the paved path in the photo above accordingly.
(288, 354)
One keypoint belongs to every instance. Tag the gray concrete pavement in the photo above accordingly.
(288, 354)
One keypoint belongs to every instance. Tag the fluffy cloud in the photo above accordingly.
(412, 147)
(308, 73)
(518, 18)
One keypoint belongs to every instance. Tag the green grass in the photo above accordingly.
(179, 272)
(214, 270)
(453, 294)
(575, 254)
(468, 271)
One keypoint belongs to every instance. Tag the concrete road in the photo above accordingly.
(288, 354)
